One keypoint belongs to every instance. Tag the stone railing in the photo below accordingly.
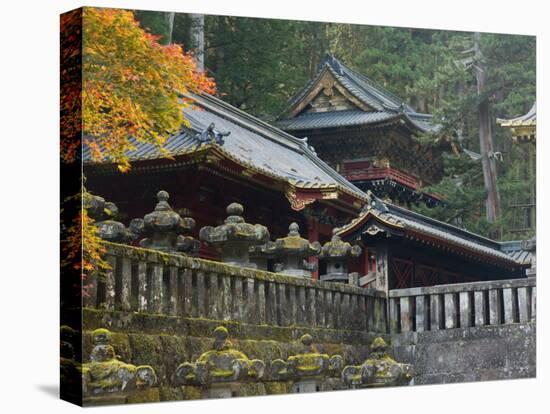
(462, 305)
(149, 281)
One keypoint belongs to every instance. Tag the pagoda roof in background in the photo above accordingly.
(372, 103)
(524, 127)
(254, 145)
(381, 216)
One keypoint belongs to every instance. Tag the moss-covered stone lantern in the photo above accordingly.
(164, 229)
(104, 214)
(262, 254)
(337, 253)
(292, 253)
(308, 370)
(221, 371)
(235, 237)
(379, 370)
(106, 374)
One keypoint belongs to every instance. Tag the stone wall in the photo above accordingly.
(469, 354)
(164, 342)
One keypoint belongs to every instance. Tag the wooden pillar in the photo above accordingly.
(313, 235)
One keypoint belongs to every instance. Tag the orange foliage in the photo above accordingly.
(82, 246)
(131, 86)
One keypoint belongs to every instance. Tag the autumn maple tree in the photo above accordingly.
(119, 87)
(132, 85)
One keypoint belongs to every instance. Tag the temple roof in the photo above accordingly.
(524, 127)
(370, 102)
(419, 227)
(251, 143)
(516, 250)
(530, 118)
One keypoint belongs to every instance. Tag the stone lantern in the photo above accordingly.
(104, 213)
(222, 371)
(164, 228)
(235, 237)
(262, 254)
(308, 370)
(337, 253)
(293, 251)
(379, 370)
(531, 246)
(105, 373)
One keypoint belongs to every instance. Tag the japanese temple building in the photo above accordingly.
(225, 155)
(367, 134)
(406, 249)
(524, 132)
(524, 127)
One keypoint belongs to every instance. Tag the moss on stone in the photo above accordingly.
(121, 343)
(251, 389)
(174, 352)
(277, 387)
(264, 350)
(148, 350)
(170, 393)
(192, 392)
(145, 395)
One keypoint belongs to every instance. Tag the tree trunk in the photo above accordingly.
(486, 144)
(197, 37)
(169, 18)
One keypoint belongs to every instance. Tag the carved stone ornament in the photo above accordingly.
(106, 374)
(379, 370)
(292, 253)
(223, 364)
(307, 364)
(337, 253)
(235, 237)
(104, 213)
(164, 229)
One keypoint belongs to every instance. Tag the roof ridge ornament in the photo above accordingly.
(210, 134)
(374, 203)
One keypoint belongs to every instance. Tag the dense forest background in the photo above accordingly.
(259, 64)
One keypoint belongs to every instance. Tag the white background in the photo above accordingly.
(30, 192)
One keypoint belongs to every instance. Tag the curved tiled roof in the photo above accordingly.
(334, 119)
(530, 118)
(367, 91)
(408, 221)
(251, 142)
(516, 251)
